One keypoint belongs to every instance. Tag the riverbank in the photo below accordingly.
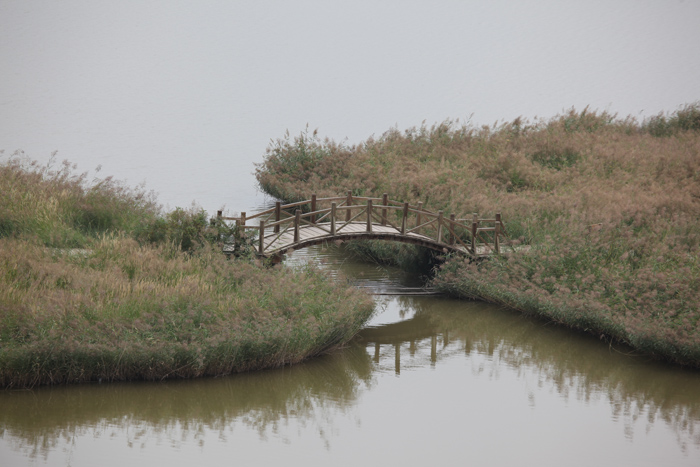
(97, 284)
(609, 207)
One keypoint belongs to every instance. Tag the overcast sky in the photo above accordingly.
(186, 95)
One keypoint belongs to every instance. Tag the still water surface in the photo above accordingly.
(430, 380)
(185, 96)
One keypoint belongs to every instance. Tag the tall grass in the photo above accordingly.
(61, 209)
(146, 296)
(610, 208)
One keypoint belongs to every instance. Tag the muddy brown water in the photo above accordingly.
(431, 379)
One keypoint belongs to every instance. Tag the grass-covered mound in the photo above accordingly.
(97, 284)
(610, 208)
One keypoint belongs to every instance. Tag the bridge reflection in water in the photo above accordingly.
(321, 403)
(413, 331)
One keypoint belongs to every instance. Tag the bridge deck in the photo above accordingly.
(307, 233)
(286, 227)
(275, 243)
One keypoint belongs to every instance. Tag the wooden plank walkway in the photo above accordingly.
(311, 234)
(285, 228)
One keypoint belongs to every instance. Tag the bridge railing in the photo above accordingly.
(473, 235)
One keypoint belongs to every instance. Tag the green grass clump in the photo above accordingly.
(127, 293)
(609, 210)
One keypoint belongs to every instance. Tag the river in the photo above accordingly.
(431, 379)
(186, 96)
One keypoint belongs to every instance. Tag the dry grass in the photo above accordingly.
(131, 304)
(611, 208)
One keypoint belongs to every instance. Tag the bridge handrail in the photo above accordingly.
(460, 231)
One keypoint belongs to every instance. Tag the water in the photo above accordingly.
(186, 97)
(429, 380)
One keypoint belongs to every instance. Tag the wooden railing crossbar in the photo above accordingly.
(384, 221)
(376, 211)
(415, 229)
(278, 236)
(456, 237)
(363, 210)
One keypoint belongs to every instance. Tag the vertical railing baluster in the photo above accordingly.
(439, 227)
(475, 226)
(385, 201)
(278, 215)
(369, 215)
(333, 208)
(240, 231)
(404, 218)
(420, 208)
(497, 232)
(313, 208)
(261, 238)
(452, 229)
(297, 219)
(348, 203)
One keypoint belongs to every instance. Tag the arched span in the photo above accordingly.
(425, 242)
(286, 227)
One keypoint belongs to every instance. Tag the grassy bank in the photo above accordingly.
(610, 208)
(96, 283)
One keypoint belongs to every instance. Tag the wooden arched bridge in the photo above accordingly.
(288, 227)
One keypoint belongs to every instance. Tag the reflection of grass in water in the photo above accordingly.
(37, 422)
(576, 365)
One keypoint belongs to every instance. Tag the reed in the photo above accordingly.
(609, 207)
(146, 295)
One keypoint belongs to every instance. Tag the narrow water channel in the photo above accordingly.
(429, 380)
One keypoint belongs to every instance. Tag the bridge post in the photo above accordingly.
(313, 208)
(333, 207)
(475, 226)
(439, 227)
(451, 229)
(297, 219)
(385, 202)
(420, 208)
(240, 231)
(404, 218)
(348, 215)
(369, 215)
(497, 232)
(278, 215)
(261, 238)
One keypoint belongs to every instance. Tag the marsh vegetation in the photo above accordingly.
(610, 209)
(98, 284)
